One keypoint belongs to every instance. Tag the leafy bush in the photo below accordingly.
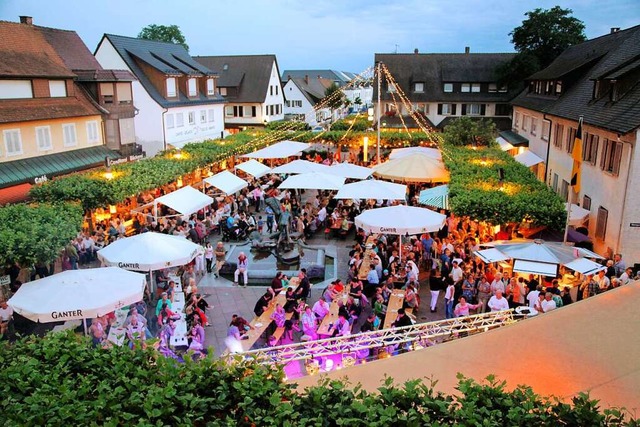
(286, 124)
(61, 379)
(355, 124)
(468, 131)
(29, 234)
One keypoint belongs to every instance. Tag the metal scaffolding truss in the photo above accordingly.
(422, 334)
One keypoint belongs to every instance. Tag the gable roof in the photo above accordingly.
(25, 52)
(608, 56)
(167, 58)
(343, 77)
(312, 88)
(249, 73)
(435, 69)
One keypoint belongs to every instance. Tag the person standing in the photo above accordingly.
(484, 293)
(304, 287)
(243, 266)
(435, 286)
(448, 299)
(220, 253)
(208, 256)
(498, 302)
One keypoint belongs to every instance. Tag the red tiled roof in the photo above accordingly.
(25, 52)
(22, 110)
(105, 75)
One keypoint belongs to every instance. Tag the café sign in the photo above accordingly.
(40, 179)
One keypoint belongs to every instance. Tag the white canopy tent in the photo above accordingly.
(585, 266)
(577, 215)
(491, 255)
(78, 294)
(397, 153)
(416, 167)
(149, 251)
(313, 181)
(254, 168)
(279, 150)
(186, 201)
(528, 158)
(372, 189)
(300, 166)
(226, 182)
(349, 170)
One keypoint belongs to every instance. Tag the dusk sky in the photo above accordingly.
(324, 34)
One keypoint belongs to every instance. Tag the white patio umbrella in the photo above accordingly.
(577, 215)
(413, 168)
(397, 153)
(149, 251)
(78, 294)
(254, 168)
(186, 201)
(400, 220)
(313, 181)
(279, 150)
(349, 170)
(226, 182)
(372, 189)
(300, 166)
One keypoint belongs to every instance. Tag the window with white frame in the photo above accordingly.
(171, 87)
(69, 135)
(465, 87)
(211, 115)
(228, 111)
(391, 87)
(223, 91)
(493, 87)
(192, 86)
(418, 87)
(57, 88)
(179, 120)
(448, 87)
(191, 117)
(517, 120)
(474, 109)
(534, 126)
(15, 89)
(211, 89)
(601, 223)
(475, 87)
(525, 122)
(43, 138)
(446, 109)
(546, 128)
(169, 120)
(203, 116)
(12, 142)
(92, 132)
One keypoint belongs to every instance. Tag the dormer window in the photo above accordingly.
(418, 87)
(448, 87)
(558, 87)
(211, 88)
(192, 87)
(57, 88)
(171, 87)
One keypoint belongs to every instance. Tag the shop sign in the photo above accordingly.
(40, 179)
(5, 280)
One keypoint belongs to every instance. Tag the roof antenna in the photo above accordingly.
(397, 45)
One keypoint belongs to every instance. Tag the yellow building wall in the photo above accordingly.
(28, 136)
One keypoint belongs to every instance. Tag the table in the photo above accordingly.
(369, 256)
(396, 299)
(334, 308)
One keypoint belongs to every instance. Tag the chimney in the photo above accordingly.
(615, 29)
(306, 78)
(288, 77)
(27, 20)
(415, 51)
(467, 49)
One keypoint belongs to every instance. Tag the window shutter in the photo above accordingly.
(585, 145)
(618, 157)
(440, 109)
(463, 109)
(453, 109)
(483, 109)
(594, 149)
(605, 152)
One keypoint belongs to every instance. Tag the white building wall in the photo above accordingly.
(197, 131)
(293, 93)
(530, 124)
(629, 245)
(276, 99)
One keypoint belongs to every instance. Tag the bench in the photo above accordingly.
(280, 330)
(395, 303)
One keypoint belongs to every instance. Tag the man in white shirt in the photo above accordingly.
(6, 315)
(456, 272)
(497, 284)
(498, 303)
(625, 277)
(532, 298)
(602, 281)
(548, 304)
(322, 214)
(321, 309)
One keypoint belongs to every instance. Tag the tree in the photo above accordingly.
(164, 33)
(333, 97)
(544, 35)
(467, 131)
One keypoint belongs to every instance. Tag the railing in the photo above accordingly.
(419, 334)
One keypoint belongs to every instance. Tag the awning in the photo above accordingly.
(513, 138)
(504, 144)
(226, 182)
(577, 215)
(186, 200)
(532, 267)
(491, 255)
(51, 165)
(528, 159)
(437, 197)
(585, 266)
(279, 150)
(254, 168)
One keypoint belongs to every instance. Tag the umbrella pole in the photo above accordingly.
(84, 323)
(150, 284)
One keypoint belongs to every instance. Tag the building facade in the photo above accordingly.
(303, 98)
(251, 86)
(598, 80)
(175, 96)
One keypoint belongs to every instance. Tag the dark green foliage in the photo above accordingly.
(29, 234)
(357, 124)
(467, 131)
(61, 380)
(164, 33)
(333, 97)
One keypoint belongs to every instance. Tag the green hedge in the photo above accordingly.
(61, 380)
(30, 234)
(474, 189)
